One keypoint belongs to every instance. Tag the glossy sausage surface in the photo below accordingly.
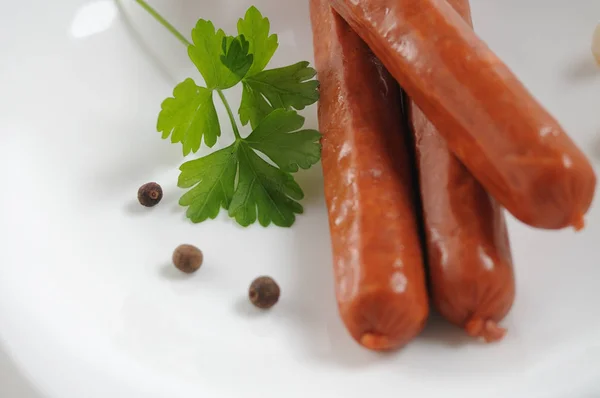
(518, 152)
(378, 265)
(469, 258)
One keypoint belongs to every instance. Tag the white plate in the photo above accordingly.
(89, 305)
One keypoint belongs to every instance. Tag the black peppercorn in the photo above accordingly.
(150, 194)
(264, 292)
(187, 258)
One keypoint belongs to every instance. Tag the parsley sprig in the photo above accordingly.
(238, 178)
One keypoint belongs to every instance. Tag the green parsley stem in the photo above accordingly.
(236, 132)
(164, 22)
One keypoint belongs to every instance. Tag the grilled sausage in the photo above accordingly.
(470, 264)
(378, 266)
(506, 139)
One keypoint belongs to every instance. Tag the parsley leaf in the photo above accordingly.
(287, 87)
(264, 192)
(235, 55)
(276, 137)
(188, 116)
(213, 177)
(206, 55)
(254, 107)
(262, 45)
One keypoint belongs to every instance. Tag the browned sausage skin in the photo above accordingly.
(506, 139)
(469, 257)
(378, 266)
(470, 264)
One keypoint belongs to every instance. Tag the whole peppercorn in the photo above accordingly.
(150, 194)
(187, 258)
(264, 292)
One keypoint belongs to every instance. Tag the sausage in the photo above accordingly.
(378, 265)
(506, 139)
(470, 263)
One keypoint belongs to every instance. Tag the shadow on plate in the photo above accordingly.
(134, 208)
(596, 147)
(244, 308)
(13, 384)
(583, 68)
(441, 332)
(168, 271)
(311, 182)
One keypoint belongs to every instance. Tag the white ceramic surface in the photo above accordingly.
(91, 308)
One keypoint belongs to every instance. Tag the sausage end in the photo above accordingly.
(384, 321)
(488, 330)
(578, 223)
(377, 342)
